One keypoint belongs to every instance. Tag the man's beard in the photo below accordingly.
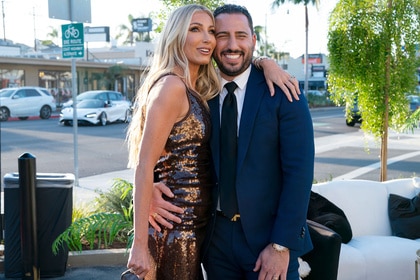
(233, 72)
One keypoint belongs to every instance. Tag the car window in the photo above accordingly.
(91, 103)
(102, 96)
(32, 93)
(20, 93)
(45, 91)
(6, 92)
(114, 96)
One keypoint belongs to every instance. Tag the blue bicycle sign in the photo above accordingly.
(73, 40)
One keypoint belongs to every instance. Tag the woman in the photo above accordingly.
(168, 139)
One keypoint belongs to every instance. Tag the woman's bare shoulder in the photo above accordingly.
(169, 85)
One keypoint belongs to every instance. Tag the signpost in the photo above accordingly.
(73, 47)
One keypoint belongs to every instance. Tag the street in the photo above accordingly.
(342, 152)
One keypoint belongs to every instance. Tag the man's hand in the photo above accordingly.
(272, 264)
(275, 75)
(161, 210)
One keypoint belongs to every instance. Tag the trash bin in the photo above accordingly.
(54, 206)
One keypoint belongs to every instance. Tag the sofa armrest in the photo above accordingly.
(324, 257)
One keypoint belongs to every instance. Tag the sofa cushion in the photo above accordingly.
(326, 213)
(404, 214)
(364, 202)
(375, 253)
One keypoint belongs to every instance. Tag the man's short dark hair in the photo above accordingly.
(235, 9)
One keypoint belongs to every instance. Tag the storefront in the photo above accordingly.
(56, 76)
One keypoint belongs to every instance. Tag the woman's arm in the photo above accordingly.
(166, 105)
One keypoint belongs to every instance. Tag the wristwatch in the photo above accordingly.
(279, 248)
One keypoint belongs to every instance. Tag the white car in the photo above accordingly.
(95, 111)
(23, 102)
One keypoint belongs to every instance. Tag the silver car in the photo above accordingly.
(23, 102)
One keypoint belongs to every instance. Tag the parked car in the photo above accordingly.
(414, 102)
(104, 95)
(316, 92)
(354, 113)
(96, 111)
(355, 116)
(23, 102)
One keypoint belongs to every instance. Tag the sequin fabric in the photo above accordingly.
(185, 168)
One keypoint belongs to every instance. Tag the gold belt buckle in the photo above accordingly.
(235, 217)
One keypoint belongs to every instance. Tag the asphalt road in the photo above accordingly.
(340, 150)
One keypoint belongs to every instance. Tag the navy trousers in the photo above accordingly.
(228, 256)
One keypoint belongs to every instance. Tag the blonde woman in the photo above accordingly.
(168, 138)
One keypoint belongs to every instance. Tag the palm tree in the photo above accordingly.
(126, 32)
(277, 3)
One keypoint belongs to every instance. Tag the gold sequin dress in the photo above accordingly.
(185, 167)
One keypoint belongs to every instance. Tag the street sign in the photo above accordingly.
(73, 40)
(72, 10)
(141, 24)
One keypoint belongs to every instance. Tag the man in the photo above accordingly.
(274, 167)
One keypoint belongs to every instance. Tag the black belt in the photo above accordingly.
(235, 217)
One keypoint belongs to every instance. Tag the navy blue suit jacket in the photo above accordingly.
(274, 166)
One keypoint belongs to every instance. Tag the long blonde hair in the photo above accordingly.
(170, 54)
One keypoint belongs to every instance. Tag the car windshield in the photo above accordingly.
(91, 103)
(6, 92)
(87, 95)
(414, 98)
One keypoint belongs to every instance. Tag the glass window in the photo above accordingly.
(32, 93)
(11, 78)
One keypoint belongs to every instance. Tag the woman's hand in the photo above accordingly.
(274, 74)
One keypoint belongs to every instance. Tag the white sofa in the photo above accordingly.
(373, 253)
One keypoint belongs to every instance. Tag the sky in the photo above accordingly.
(23, 20)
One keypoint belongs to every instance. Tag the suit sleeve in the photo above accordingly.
(297, 165)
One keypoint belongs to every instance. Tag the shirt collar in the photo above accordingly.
(240, 80)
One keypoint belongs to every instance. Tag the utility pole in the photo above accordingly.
(4, 25)
(35, 44)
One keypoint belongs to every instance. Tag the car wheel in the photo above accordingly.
(68, 123)
(127, 116)
(351, 122)
(45, 112)
(102, 119)
(4, 114)
(23, 118)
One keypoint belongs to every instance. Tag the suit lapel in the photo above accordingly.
(255, 90)
(215, 137)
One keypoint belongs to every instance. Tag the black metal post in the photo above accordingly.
(28, 230)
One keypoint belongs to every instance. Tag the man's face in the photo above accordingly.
(235, 44)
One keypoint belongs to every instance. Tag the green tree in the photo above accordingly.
(172, 4)
(277, 3)
(372, 46)
(53, 37)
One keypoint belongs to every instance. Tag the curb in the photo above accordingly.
(54, 116)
